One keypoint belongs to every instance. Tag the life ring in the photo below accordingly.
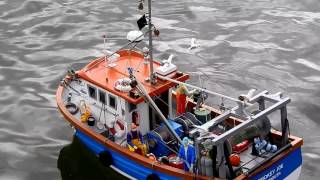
(123, 85)
(72, 108)
(119, 128)
(119, 131)
(105, 158)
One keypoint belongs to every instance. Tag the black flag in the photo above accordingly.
(142, 22)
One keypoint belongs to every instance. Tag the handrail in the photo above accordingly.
(96, 63)
(200, 89)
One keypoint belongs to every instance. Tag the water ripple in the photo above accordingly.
(303, 15)
(242, 23)
(308, 64)
(256, 45)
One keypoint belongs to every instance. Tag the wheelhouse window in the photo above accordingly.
(102, 97)
(132, 107)
(112, 101)
(92, 92)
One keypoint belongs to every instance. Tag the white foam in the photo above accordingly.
(312, 155)
(308, 64)
(13, 148)
(256, 45)
(64, 53)
(241, 23)
(306, 16)
(168, 24)
(222, 37)
(202, 8)
(313, 78)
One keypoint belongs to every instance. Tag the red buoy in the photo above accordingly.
(234, 159)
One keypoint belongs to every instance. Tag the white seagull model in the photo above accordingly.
(193, 44)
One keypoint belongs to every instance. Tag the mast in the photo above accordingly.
(152, 79)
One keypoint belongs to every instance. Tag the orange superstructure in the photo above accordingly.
(97, 72)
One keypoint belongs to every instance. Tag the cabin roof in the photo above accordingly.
(98, 73)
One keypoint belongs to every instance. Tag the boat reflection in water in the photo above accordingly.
(76, 162)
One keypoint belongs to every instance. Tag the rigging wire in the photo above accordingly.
(102, 59)
(201, 89)
(218, 105)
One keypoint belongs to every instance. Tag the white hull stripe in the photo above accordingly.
(294, 175)
(122, 173)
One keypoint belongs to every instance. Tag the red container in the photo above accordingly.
(241, 146)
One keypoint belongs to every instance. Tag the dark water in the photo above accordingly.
(266, 44)
(76, 162)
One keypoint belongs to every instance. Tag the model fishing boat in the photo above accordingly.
(139, 118)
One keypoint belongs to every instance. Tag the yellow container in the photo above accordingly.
(85, 110)
(85, 116)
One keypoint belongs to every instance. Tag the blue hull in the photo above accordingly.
(279, 170)
(284, 168)
(121, 162)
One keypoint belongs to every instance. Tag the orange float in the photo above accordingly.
(234, 159)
